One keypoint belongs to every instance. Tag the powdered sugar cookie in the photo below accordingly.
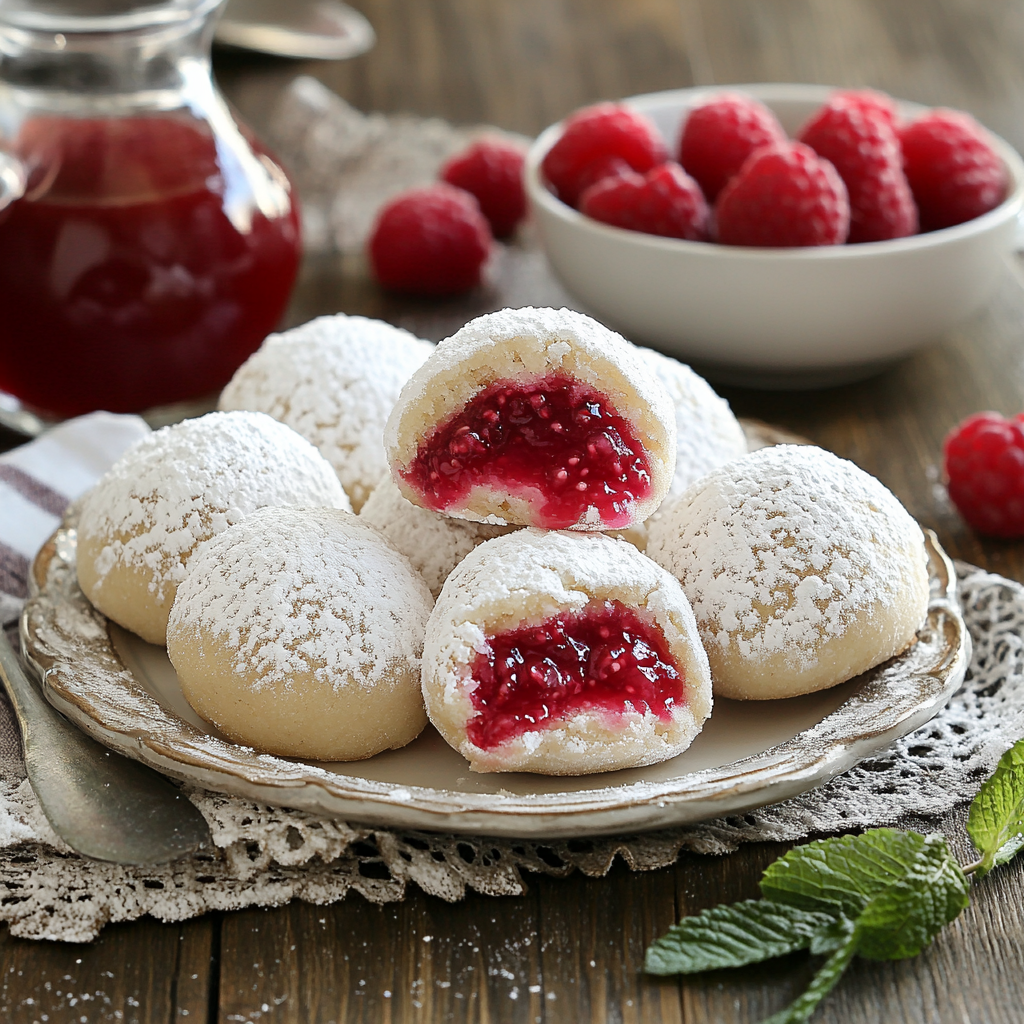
(299, 632)
(803, 570)
(177, 488)
(563, 654)
(435, 544)
(335, 381)
(534, 417)
(707, 433)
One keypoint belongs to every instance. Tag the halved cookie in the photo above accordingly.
(563, 654)
(534, 417)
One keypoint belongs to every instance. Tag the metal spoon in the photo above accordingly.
(318, 29)
(101, 804)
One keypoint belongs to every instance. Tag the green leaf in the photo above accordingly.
(839, 876)
(903, 920)
(821, 984)
(733, 935)
(996, 819)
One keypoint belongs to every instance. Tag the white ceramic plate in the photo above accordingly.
(125, 693)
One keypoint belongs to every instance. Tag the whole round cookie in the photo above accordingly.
(534, 417)
(803, 570)
(435, 544)
(175, 489)
(299, 632)
(335, 380)
(564, 654)
(707, 433)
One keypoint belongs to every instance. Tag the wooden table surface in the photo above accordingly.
(571, 950)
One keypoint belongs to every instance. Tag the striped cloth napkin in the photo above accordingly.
(38, 480)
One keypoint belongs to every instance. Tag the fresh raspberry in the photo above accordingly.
(984, 462)
(599, 133)
(856, 136)
(602, 168)
(784, 195)
(870, 101)
(491, 170)
(719, 136)
(430, 241)
(665, 201)
(953, 171)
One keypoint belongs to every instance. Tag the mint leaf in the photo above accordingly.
(839, 876)
(821, 984)
(904, 919)
(996, 819)
(733, 935)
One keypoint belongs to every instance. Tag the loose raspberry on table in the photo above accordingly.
(856, 136)
(430, 241)
(984, 464)
(719, 136)
(491, 170)
(953, 171)
(665, 201)
(784, 195)
(599, 134)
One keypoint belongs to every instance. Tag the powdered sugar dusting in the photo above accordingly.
(335, 380)
(778, 550)
(707, 433)
(305, 590)
(186, 483)
(434, 543)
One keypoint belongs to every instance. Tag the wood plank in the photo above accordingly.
(141, 973)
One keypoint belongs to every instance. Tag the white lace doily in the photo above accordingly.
(267, 856)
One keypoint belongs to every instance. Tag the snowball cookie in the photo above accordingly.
(803, 570)
(534, 417)
(334, 380)
(435, 544)
(299, 632)
(564, 654)
(707, 433)
(178, 487)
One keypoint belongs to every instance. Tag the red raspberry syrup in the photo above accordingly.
(137, 270)
(607, 658)
(555, 441)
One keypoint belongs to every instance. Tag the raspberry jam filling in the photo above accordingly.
(606, 658)
(555, 441)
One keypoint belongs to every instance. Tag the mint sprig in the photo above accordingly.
(884, 895)
(996, 819)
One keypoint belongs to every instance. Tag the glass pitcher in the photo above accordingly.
(155, 241)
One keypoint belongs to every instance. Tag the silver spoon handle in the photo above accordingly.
(101, 804)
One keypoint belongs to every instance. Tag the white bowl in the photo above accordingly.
(775, 317)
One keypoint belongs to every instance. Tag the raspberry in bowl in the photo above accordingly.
(777, 317)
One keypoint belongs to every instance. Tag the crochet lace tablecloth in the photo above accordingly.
(267, 856)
